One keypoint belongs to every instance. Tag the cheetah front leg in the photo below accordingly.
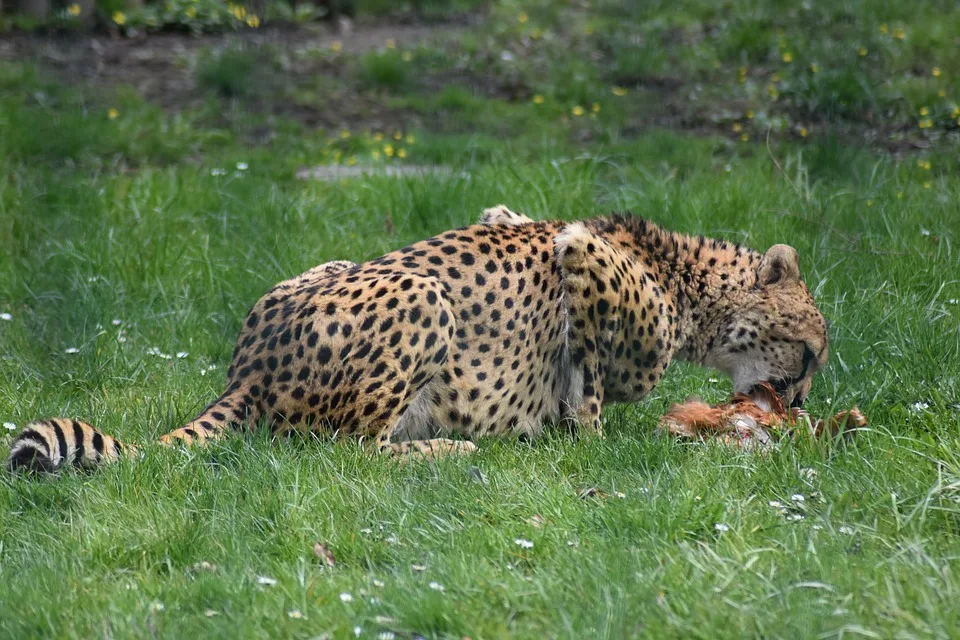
(589, 267)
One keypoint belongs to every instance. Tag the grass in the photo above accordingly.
(154, 232)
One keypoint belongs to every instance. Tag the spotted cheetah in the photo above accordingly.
(498, 328)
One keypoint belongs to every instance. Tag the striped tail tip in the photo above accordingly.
(48, 445)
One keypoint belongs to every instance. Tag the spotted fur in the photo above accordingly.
(495, 329)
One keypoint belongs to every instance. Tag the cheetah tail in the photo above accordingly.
(49, 445)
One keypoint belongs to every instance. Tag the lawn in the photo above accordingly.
(137, 227)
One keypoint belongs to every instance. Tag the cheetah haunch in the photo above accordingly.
(498, 328)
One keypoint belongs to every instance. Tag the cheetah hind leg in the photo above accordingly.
(427, 449)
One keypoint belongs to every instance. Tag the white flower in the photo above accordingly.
(713, 380)
(386, 635)
(6, 316)
(266, 581)
(366, 531)
(182, 354)
(210, 613)
(807, 472)
(521, 542)
(951, 301)
(794, 517)
(116, 322)
(847, 530)
(644, 490)
(346, 597)
(418, 568)
(506, 56)
(71, 350)
(296, 614)
(797, 498)
(620, 494)
(121, 338)
(920, 406)
(378, 584)
(924, 232)
(242, 166)
(357, 631)
(721, 527)
(156, 607)
(9, 426)
(776, 504)
(436, 586)
(218, 172)
(817, 527)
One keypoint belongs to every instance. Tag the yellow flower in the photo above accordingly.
(538, 99)
(191, 12)
(401, 153)
(787, 57)
(112, 113)
(955, 113)
(737, 127)
(351, 161)
(336, 46)
(397, 135)
(74, 10)
(884, 28)
(595, 107)
(744, 137)
(407, 56)
(238, 12)
(378, 136)
(927, 185)
(577, 111)
(936, 72)
(119, 18)
(925, 123)
(924, 111)
(749, 114)
(899, 34)
(619, 91)
(814, 67)
(344, 133)
(390, 43)
(253, 22)
(924, 164)
(861, 51)
(803, 132)
(375, 155)
(410, 139)
(522, 17)
(388, 150)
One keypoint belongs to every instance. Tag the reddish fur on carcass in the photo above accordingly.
(748, 420)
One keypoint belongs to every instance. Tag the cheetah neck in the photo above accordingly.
(706, 279)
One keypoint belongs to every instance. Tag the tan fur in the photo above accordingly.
(505, 327)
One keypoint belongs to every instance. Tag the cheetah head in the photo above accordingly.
(775, 334)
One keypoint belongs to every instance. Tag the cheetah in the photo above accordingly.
(497, 329)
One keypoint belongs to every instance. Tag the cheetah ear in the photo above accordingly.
(780, 265)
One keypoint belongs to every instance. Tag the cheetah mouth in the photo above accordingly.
(760, 392)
